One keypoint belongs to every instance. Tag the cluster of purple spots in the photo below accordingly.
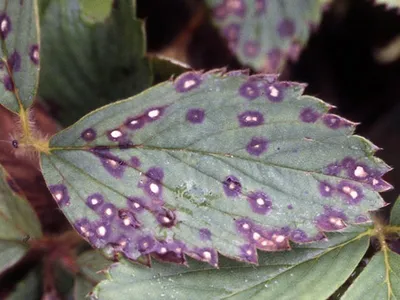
(259, 202)
(195, 115)
(351, 192)
(34, 54)
(137, 122)
(187, 82)
(112, 163)
(171, 251)
(227, 7)
(165, 217)
(334, 122)
(206, 254)
(5, 25)
(60, 194)
(309, 115)
(286, 28)
(331, 219)
(152, 184)
(251, 48)
(263, 239)
(232, 186)
(257, 146)
(249, 90)
(250, 118)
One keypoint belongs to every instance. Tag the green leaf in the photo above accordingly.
(265, 33)
(395, 213)
(10, 253)
(28, 288)
(164, 69)
(212, 163)
(379, 280)
(95, 11)
(310, 272)
(99, 63)
(19, 65)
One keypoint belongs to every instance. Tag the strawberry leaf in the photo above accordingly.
(19, 64)
(310, 272)
(18, 223)
(100, 62)
(265, 33)
(212, 163)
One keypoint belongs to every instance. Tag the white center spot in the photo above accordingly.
(112, 162)
(207, 255)
(232, 186)
(4, 25)
(273, 91)
(154, 113)
(375, 181)
(189, 83)
(35, 54)
(136, 205)
(123, 243)
(178, 250)
(58, 196)
(134, 122)
(336, 221)
(266, 243)
(260, 201)
(145, 245)
(249, 252)
(127, 222)
(360, 172)
(349, 191)
(166, 220)
(163, 250)
(256, 236)
(251, 119)
(327, 189)
(101, 231)
(279, 238)
(246, 226)
(116, 134)
(94, 201)
(108, 212)
(154, 188)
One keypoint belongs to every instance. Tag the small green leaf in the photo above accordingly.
(310, 272)
(265, 33)
(379, 280)
(99, 63)
(29, 287)
(19, 64)
(212, 163)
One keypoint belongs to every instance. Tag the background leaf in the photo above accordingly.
(212, 163)
(95, 11)
(313, 271)
(389, 3)
(19, 65)
(265, 33)
(28, 288)
(18, 223)
(86, 65)
(395, 213)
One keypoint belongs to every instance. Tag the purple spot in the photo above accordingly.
(146, 244)
(331, 220)
(102, 231)
(361, 219)
(358, 171)
(275, 57)
(208, 255)
(251, 48)
(89, 135)
(348, 163)
(60, 194)
(34, 54)
(220, 12)
(108, 211)
(195, 115)
(260, 7)
(231, 33)
(187, 82)
(166, 217)
(249, 90)
(352, 193)
(335, 122)
(95, 201)
(205, 234)
(153, 114)
(299, 236)
(259, 202)
(248, 253)
(274, 92)
(290, 206)
(135, 162)
(286, 28)
(332, 169)
(8, 83)
(115, 135)
(273, 240)
(309, 115)
(14, 62)
(136, 204)
(135, 122)
(171, 252)
(113, 164)
(378, 183)
(83, 227)
(5, 26)
(236, 7)
(156, 174)
(232, 186)
(325, 189)
(128, 219)
(250, 119)
(257, 146)
(244, 226)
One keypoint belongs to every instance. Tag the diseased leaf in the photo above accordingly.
(19, 64)
(310, 272)
(212, 163)
(99, 63)
(265, 33)
(379, 280)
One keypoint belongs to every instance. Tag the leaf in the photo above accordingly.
(95, 11)
(99, 63)
(395, 213)
(212, 163)
(265, 33)
(10, 253)
(29, 288)
(310, 272)
(379, 280)
(19, 64)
